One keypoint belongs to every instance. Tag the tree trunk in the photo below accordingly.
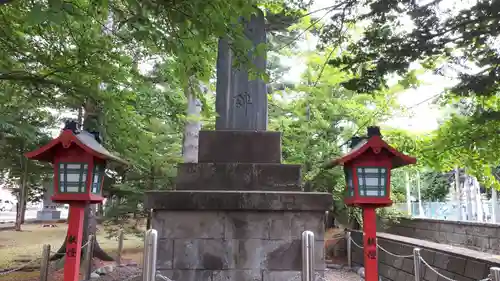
(23, 210)
(91, 123)
(100, 210)
(91, 222)
(80, 117)
(21, 203)
(192, 127)
(90, 227)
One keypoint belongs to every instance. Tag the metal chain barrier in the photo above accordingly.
(62, 254)
(381, 248)
(20, 267)
(417, 261)
(435, 271)
(356, 244)
(164, 278)
(394, 255)
(85, 245)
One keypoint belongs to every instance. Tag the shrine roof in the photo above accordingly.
(82, 139)
(376, 144)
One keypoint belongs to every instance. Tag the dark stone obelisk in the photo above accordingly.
(237, 214)
(241, 102)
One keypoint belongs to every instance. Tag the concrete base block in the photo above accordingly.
(48, 215)
(197, 200)
(232, 245)
(238, 176)
(239, 147)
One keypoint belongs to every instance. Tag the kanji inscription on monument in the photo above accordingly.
(242, 101)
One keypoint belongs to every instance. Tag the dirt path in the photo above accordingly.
(341, 275)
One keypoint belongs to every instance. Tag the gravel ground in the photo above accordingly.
(125, 273)
(132, 274)
(341, 275)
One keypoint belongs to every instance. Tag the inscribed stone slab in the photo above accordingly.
(241, 103)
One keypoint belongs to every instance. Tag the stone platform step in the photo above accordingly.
(239, 147)
(238, 176)
(219, 200)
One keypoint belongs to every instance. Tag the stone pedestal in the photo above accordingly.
(238, 214)
(49, 210)
(236, 235)
(48, 214)
(239, 160)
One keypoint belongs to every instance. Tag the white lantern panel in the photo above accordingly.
(97, 177)
(72, 188)
(372, 181)
(72, 177)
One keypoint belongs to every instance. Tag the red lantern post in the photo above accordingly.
(367, 170)
(79, 161)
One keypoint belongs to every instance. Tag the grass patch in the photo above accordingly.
(17, 248)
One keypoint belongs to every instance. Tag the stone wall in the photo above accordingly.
(232, 245)
(472, 235)
(457, 263)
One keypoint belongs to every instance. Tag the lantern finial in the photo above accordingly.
(373, 131)
(71, 125)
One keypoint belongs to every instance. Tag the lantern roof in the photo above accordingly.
(375, 143)
(83, 139)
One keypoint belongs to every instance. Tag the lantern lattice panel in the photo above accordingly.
(97, 179)
(372, 181)
(350, 184)
(73, 177)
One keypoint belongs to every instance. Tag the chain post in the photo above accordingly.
(149, 261)
(416, 263)
(44, 264)
(89, 253)
(349, 248)
(307, 256)
(495, 273)
(120, 247)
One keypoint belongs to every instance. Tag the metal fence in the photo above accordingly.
(150, 273)
(418, 262)
(450, 211)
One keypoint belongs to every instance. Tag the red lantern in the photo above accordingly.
(79, 161)
(367, 169)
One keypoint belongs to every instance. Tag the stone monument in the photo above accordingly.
(49, 210)
(238, 213)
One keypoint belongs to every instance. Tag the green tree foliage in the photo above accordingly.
(22, 129)
(435, 185)
(434, 34)
(127, 62)
(318, 119)
(386, 38)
